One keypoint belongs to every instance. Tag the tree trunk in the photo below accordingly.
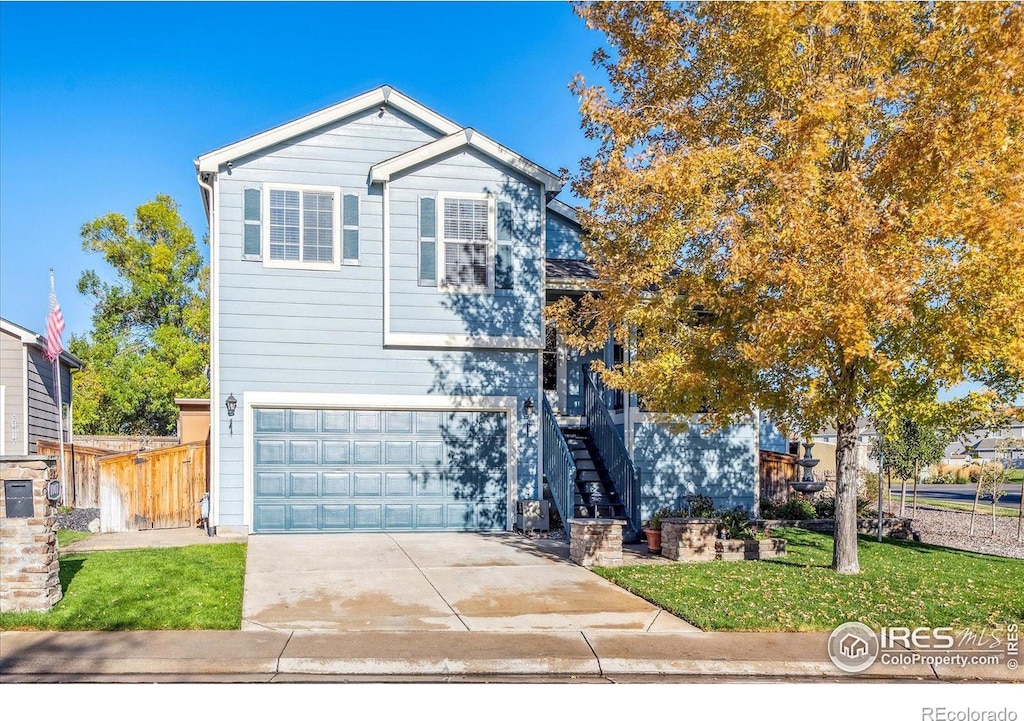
(974, 509)
(917, 482)
(844, 548)
(903, 496)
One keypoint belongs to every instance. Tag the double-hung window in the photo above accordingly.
(467, 240)
(302, 227)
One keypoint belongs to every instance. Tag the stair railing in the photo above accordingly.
(559, 465)
(610, 446)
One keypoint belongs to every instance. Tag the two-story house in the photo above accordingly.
(379, 355)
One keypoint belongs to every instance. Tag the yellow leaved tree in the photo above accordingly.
(815, 209)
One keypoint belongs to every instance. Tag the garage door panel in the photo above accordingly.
(336, 422)
(398, 421)
(398, 453)
(398, 516)
(398, 484)
(367, 421)
(429, 516)
(362, 470)
(303, 517)
(430, 453)
(337, 517)
(300, 421)
(430, 484)
(269, 420)
(270, 483)
(270, 452)
(366, 452)
(337, 452)
(368, 516)
(337, 484)
(270, 517)
(367, 484)
(303, 484)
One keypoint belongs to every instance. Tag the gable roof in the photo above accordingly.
(384, 95)
(467, 137)
(564, 210)
(32, 338)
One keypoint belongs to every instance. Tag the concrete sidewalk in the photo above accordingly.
(265, 656)
(156, 538)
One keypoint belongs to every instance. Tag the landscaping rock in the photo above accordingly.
(950, 529)
(78, 519)
(94, 525)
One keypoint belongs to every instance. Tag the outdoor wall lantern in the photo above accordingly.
(231, 404)
(528, 412)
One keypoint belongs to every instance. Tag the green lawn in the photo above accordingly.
(66, 537)
(901, 583)
(984, 508)
(196, 587)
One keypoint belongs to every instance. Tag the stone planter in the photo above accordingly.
(596, 541)
(688, 539)
(752, 550)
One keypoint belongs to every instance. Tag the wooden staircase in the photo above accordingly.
(595, 495)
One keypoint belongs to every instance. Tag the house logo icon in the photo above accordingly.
(853, 647)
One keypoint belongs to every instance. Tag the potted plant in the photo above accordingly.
(653, 529)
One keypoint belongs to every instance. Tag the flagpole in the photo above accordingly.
(60, 399)
(60, 431)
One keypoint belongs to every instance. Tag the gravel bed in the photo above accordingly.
(76, 519)
(950, 528)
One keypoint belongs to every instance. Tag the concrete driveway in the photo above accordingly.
(435, 581)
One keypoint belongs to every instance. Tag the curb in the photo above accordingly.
(277, 655)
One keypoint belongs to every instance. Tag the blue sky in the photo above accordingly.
(102, 106)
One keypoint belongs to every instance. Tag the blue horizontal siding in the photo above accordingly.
(674, 464)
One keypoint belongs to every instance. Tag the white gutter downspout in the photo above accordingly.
(211, 215)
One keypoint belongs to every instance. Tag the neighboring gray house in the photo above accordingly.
(379, 275)
(28, 395)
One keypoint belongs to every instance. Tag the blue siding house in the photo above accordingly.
(379, 354)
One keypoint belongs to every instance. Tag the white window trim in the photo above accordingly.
(442, 286)
(335, 192)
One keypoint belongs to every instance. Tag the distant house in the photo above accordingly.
(825, 448)
(28, 394)
(1005, 445)
(379, 354)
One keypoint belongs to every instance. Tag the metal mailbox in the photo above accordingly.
(18, 495)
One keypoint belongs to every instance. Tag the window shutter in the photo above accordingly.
(350, 231)
(504, 229)
(428, 241)
(503, 252)
(252, 239)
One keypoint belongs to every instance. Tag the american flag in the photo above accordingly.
(54, 326)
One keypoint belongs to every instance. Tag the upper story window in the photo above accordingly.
(290, 226)
(301, 226)
(467, 236)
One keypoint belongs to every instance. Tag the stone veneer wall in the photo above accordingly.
(29, 569)
(596, 541)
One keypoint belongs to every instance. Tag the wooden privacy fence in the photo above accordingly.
(124, 444)
(152, 489)
(778, 470)
(81, 471)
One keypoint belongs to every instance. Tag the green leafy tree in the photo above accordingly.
(150, 337)
(907, 446)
